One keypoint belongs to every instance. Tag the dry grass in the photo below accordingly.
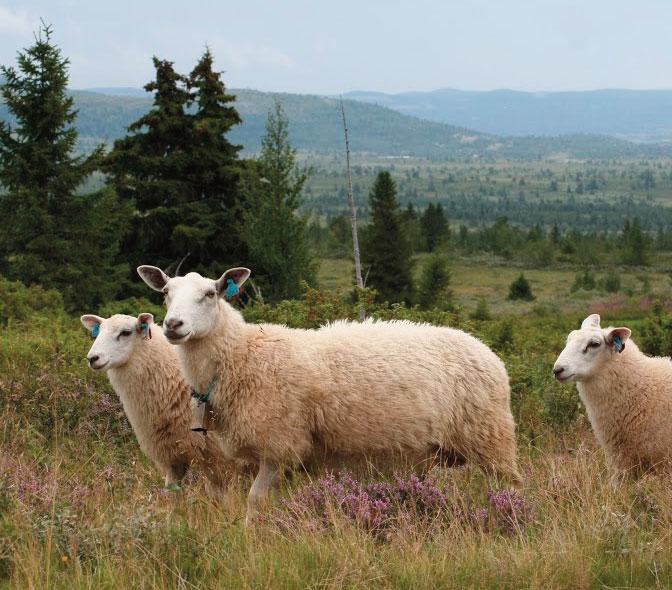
(71, 519)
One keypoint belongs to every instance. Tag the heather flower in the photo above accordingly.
(511, 511)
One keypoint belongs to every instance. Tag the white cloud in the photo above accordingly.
(15, 22)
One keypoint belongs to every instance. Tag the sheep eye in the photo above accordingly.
(592, 344)
(210, 294)
(125, 333)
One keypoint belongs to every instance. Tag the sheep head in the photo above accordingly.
(192, 301)
(588, 349)
(116, 338)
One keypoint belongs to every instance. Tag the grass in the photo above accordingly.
(125, 531)
(80, 507)
(474, 278)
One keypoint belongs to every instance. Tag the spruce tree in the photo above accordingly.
(274, 230)
(433, 290)
(635, 244)
(215, 169)
(386, 253)
(434, 226)
(181, 172)
(520, 289)
(50, 234)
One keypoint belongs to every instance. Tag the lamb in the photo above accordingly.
(282, 396)
(144, 371)
(627, 395)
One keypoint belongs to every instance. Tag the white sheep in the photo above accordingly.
(628, 396)
(145, 373)
(283, 396)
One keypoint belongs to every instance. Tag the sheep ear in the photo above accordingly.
(616, 338)
(153, 276)
(592, 321)
(145, 318)
(91, 321)
(145, 321)
(238, 275)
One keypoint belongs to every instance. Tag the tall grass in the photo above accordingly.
(80, 507)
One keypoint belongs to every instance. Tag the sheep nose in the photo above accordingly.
(173, 324)
(92, 359)
(558, 370)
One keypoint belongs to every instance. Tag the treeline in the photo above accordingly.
(176, 193)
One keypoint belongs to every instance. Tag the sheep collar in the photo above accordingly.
(205, 397)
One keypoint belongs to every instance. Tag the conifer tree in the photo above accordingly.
(635, 244)
(433, 289)
(434, 226)
(182, 172)
(50, 234)
(275, 232)
(386, 253)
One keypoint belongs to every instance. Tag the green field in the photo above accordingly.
(80, 507)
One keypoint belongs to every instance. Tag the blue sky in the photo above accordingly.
(330, 47)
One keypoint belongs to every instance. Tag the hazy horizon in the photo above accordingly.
(306, 47)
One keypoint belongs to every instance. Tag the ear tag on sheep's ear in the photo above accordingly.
(145, 330)
(95, 330)
(231, 289)
(618, 344)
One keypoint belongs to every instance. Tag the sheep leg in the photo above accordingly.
(260, 489)
(175, 474)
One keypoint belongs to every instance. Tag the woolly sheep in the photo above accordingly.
(283, 396)
(144, 371)
(627, 395)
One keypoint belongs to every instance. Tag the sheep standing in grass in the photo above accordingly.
(628, 396)
(283, 396)
(144, 371)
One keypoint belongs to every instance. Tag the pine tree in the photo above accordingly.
(520, 289)
(635, 244)
(433, 289)
(434, 226)
(214, 170)
(275, 232)
(182, 172)
(386, 252)
(49, 234)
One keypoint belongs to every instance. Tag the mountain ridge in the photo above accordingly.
(634, 114)
(316, 126)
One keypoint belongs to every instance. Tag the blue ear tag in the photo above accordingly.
(231, 289)
(95, 330)
(146, 331)
(618, 343)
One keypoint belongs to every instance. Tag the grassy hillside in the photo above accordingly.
(640, 114)
(80, 507)
(315, 126)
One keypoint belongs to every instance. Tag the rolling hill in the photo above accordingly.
(635, 114)
(315, 126)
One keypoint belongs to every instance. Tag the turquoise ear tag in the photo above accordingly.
(231, 289)
(146, 331)
(618, 344)
(95, 330)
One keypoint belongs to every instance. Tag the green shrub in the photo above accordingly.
(520, 289)
(433, 290)
(133, 306)
(482, 311)
(611, 283)
(18, 302)
(585, 282)
(656, 333)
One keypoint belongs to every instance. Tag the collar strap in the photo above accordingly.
(205, 397)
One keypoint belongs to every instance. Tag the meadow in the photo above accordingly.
(80, 507)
